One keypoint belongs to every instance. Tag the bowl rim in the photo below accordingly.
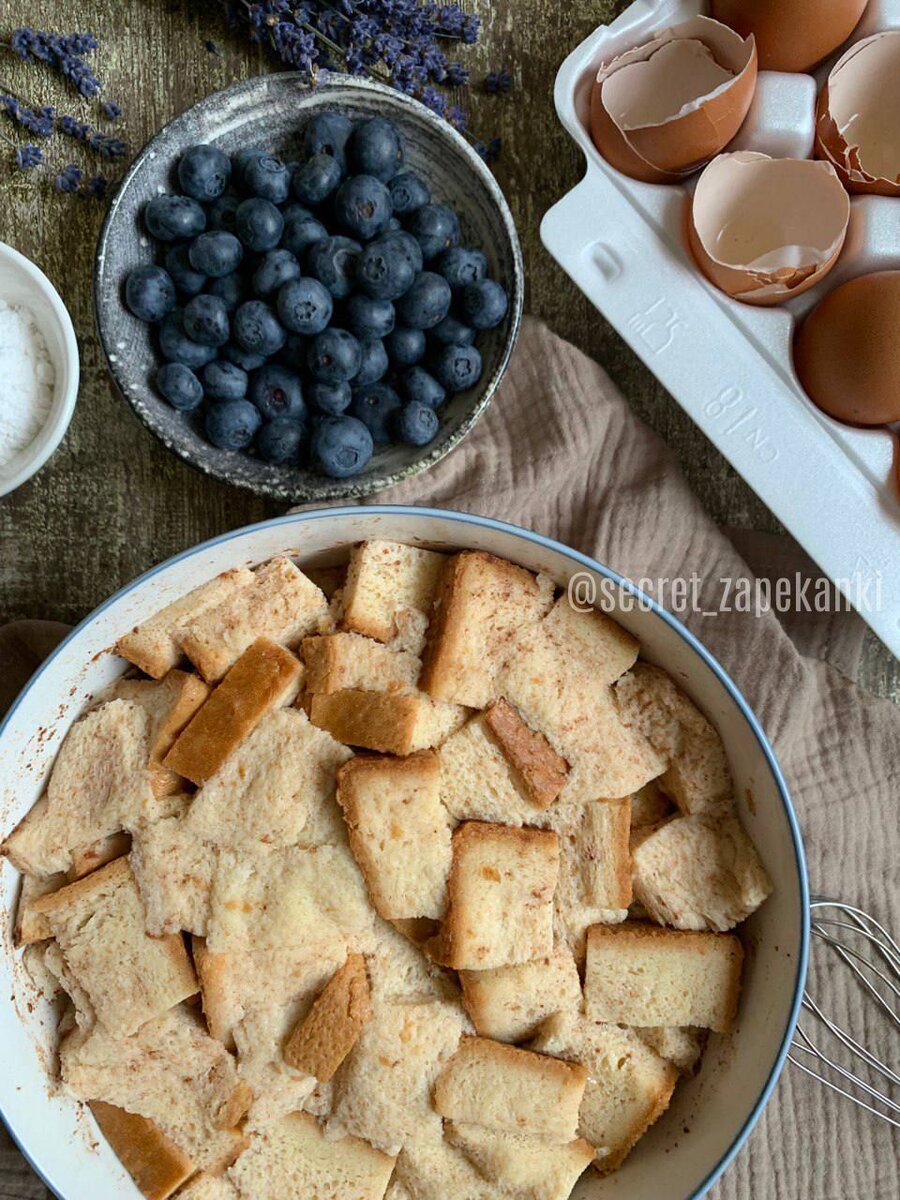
(328, 489)
(62, 407)
(592, 564)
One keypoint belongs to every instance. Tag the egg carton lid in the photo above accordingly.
(728, 364)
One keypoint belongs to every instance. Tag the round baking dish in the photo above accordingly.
(711, 1115)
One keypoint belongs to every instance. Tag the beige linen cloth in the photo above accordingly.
(560, 452)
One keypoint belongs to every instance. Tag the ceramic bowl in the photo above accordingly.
(21, 282)
(270, 111)
(710, 1115)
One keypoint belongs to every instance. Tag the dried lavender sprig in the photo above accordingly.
(61, 52)
(38, 121)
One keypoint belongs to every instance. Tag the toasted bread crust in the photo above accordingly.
(157, 1166)
(543, 772)
(329, 1031)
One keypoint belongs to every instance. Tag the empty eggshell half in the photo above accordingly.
(663, 109)
(764, 229)
(791, 35)
(858, 116)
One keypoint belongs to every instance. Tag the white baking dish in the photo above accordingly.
(710, 1115)
(727, 364)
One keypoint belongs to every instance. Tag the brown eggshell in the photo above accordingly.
(765, 229)
(791, 35)
(847, 351)
(664, 150)
(872, 68)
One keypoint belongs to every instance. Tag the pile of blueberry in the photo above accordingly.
(310, 311)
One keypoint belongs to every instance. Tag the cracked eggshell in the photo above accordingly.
(791, 35)
(847, 352)
(664, 108)
(858, 116)
(765, 229)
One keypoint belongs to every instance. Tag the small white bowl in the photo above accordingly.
(21, 282)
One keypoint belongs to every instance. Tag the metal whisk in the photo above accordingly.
(873, 957)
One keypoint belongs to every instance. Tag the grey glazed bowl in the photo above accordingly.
(271, 110)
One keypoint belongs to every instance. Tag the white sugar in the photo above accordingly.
(27, 379)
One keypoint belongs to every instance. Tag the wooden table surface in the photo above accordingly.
(112, 501)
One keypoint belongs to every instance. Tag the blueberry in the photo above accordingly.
(422, 388)
(305, 306)
(245, 359)
(301, 231)
(461, 265)
(483, 305)
(259, 224)
(316, 179)
(232, 424)
(171, 217)
(333, 263)
(280, 440)
(362, 206)
(217, 253)
(327, 133)
(277, 267)
(329, 398)
(180, 386)
(375, 148)
(368, 318)
(405, 346)
(294, 212)
(224, 381)
(451, 332)
(176, 346)
(407, 245)
(426, 303)
(229, 289)
(394, 224)
(185, 278)
(383, 270)
(375, 405)
(373, 364)
(240, 159)
(206, 320)
(276, 392)
(256, 328)
(266, 176)
(435, 227)
(221, 214)
(150, 293)
(203, 172)
(457, 368)
(416, 424)
(340, 446)
(293, 353)
(334, 356)
(408, 192)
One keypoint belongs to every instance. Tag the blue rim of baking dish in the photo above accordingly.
(404, 510)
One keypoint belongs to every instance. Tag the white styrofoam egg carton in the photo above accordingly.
(728, 364)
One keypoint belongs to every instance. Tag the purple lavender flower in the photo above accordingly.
(64, 53)
(489, 151)
(110, 110)
(98, 186)
(28, 157)
(107, 147)
(212, 47)
(37, 121)
(498, 83)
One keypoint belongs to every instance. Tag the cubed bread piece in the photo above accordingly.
(392, 722)
(502, 1087)
(681, 1046)
(510, 1003)
(53, 967)
(293, 1158)
(154, 645)
(265, 792)
(500, 894)
(384, 580)
(209, 1187)
(170, 1072)
(699, 872)
(430, 1168)
(639, 974)
(278, 603)
(99, 925)
(157, 1166)
(173, 870)
(697, 775)
(337, 661)
(222, 1005)
(600, 645)
(399, 969)
(382, 1091)
(399, 832)
(527, 1168)
(649, 806)
(32, 926)
(605, 853)
(542, 771)
(329, 1031)
(263, 678)
(628, 1086)
(170, 703)
(480, 602)
(477, 781)
(99, 784)
(107, 850)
